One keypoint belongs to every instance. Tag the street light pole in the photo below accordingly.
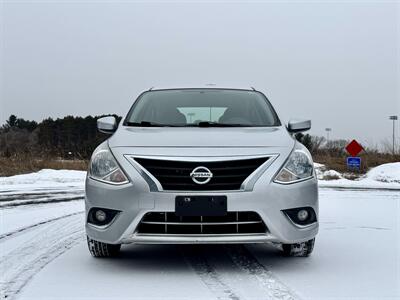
(327, 134)
(394, 119)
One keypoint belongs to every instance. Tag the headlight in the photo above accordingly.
(103, 167)
(299, 166)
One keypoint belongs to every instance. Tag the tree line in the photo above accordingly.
(68, 137)
(76, 137)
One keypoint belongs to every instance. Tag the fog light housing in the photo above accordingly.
(301, 216)
(101, 216)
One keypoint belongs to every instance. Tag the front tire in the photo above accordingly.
(303, 249)
(100, 249)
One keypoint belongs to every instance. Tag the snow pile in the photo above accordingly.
(319, 170)
(386, 176)
(385, 173)
(45, 179)
(332, 174)
(324, 174)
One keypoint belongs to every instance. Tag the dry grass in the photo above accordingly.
(368, 161)
(22, 165)
(27, 164)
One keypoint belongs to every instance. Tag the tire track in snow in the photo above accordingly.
(246, 262)
(231, 271)
(40, 200)
(6, 196)
(7, 235)
(19, 266)
(208, 275)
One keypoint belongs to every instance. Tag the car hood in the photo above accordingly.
(201, 137)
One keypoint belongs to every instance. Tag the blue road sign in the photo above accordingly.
(354, 162)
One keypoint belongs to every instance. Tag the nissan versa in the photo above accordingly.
(201, 165)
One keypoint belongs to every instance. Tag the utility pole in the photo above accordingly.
(327, 134)
(394, 119)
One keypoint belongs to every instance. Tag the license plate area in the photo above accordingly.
(200, 205)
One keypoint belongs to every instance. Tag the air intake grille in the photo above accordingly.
(233, 223)
(175, 175)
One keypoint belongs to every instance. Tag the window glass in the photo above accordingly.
(191, 107)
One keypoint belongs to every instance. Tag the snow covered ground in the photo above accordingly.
(42, 187)
(357, 256)
(45, 179)
(33, 235)
(43, 253)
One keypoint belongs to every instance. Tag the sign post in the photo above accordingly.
(354, 162)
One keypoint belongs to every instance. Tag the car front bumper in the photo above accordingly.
(266, 198)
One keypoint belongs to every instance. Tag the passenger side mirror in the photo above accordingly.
(107, 125)
(295, 126)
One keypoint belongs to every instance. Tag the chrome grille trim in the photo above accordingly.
(168, 223)
(201, 223)
(247, 184)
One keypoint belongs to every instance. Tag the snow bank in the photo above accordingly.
(385, 173)
(45, 179)
(386, 176)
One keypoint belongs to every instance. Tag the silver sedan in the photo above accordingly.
(201, 165)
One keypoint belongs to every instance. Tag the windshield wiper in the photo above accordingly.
(216, 124)
(148, 124)
(200, 124)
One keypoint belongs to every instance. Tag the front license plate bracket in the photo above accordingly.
(201, 205)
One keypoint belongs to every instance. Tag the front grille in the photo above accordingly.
(175, 175)
(233, 223)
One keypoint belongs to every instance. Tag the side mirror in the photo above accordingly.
(295, 126)
(107, 124)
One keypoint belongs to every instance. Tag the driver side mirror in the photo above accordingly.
(295, 126)
(107, 125)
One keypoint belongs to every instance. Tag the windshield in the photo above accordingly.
(203, 108)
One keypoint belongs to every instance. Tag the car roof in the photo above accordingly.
(204, 86)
